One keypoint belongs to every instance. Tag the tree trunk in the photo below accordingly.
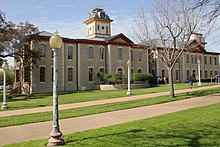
(171, 82)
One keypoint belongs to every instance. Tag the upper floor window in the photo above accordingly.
(101, 53)
(139, 56)
(42, 74)
(90, 52)
(131, 53)
(192, 60)
(210, 60)
(120, 55)
(70, 52)
(215, 60)
(205, 60)
(106, 29)
(187, 58)
(42, 50)
(196, 59)
(70, 74)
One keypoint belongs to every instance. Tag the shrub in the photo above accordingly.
(144, 77)
(113, 78)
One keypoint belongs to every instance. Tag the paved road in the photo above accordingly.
(98, 102)
(35, 131)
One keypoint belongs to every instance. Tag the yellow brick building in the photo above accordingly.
(80, 60)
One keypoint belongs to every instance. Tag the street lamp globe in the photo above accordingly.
(56, 41)
(198, 62)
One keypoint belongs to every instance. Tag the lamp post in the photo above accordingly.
(56, 135)
(129, 77)
(4, 67)
(199, 84)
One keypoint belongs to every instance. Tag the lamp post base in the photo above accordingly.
(129, 92)
(55, 138)
(4, 106)
(199, 84)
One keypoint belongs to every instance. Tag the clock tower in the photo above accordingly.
(98, 24)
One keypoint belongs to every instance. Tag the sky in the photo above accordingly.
(68, 16)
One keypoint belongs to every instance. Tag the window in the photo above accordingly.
(187, 58)
(139, 56)
(187, 75)
(98, 28)
(90, 51)
(163, 72)
(70, 52)
(210, 73)
(206, 74)
(132, 70)
(215, 60)
(90, 74)
(101, 70)
(101, 53)
(131, 52)
(196, 59)
(210, 60)
(120, 71)
(139, 70)
(26, 75)
(42, 74)
(70, 74)
(194, 74)
(192, 61)
(17, 73)
(42, 50)
(216, 73)
(205, 60)
(120, 56)
(106, 29)
(177, 75)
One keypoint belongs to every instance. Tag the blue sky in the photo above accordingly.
(67, 16)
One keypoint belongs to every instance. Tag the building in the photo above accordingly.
(80, 60)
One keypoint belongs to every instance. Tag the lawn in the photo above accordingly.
(193, 127)
(42, 100)
(41, 117)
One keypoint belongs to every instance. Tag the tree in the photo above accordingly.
(212, 6)
(164, 30)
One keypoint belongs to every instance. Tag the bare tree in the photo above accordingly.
(164, 30)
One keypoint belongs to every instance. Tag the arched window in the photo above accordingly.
(70, 74)
(42, 74)
(187, 58)
(120, 55)
(194, 74)
(90, 52)
(139, 70)
(120, 71)
(101, 53)
(177, 75)
(70, 52)
(42, 50)
(139, 55)
(163, 72)
(187, 74)
(90, 74)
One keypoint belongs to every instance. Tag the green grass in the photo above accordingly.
(41, 117)
(194, 127)
(42, 100)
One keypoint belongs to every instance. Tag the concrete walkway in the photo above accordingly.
(42, 130)
(98, 102)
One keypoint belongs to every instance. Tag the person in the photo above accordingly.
(190, 82)
(219, 78)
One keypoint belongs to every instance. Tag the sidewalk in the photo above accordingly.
(98, 102)
(42, 130)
